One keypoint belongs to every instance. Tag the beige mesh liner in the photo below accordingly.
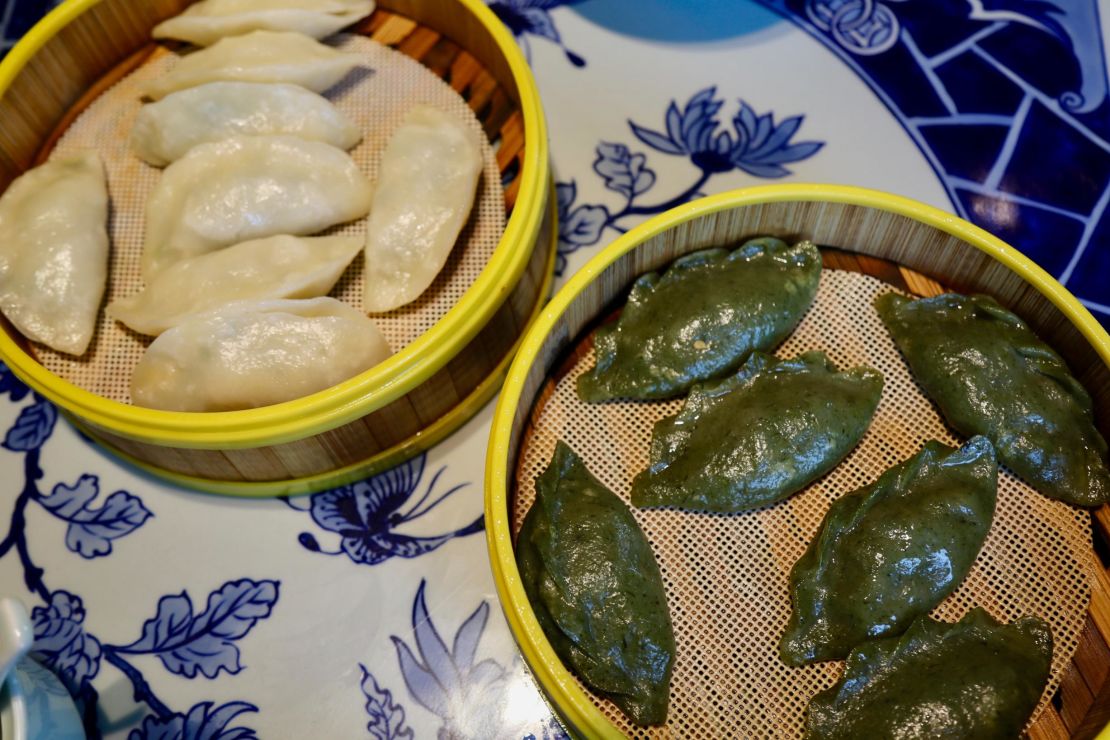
(726, 575)
(377, 101)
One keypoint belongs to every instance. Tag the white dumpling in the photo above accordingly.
(425, 190)
(256, 353)
(261, 269)
(248, 187)
(165, 130)
(208, 21)
(260, 56)
(54, 251)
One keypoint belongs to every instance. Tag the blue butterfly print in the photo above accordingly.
(366, 515)
(531, 18)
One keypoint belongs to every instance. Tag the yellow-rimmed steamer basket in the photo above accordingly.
(726, 576)
(394, 410)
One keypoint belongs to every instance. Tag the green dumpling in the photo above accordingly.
(758, 436)
(990, 375)
(975, 679)
(702, 318)
(891, 551)
(596, 589)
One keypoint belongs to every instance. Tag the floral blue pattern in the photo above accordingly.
(467, 696)
(387, 719)
(757, 146)
(366, 514)
(185, 643)
(532, 18)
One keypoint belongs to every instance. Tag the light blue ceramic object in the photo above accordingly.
(33, 703)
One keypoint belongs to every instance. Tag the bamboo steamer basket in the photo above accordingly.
(865, 236)
(386, 414)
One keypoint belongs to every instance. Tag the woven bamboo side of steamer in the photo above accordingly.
(112, 38)
(920, 259)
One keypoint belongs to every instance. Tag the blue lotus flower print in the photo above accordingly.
(202, 722)
(532, 18)
(366, 515)
(756, 145)
(448, 682)
(61, 643)
(759, 147)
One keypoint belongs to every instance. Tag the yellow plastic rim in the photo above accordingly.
(363, 394)
(573, 704)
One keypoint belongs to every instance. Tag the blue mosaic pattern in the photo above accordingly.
(1008, 101)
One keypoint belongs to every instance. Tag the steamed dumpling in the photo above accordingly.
(261, 56)
(975, 679)
(758, 436)
(208, 21)
(429, 173)
(991, 375)
(165, 130)
(54, 251)
(262, 269)
(249, 187)
(702, 318)
(256, 353)
(596, 589)
(891, 551)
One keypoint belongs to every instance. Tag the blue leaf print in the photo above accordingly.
(32, 428)
(583, 226)
(201, 723)
(61, 643)
(12, 385)
(530, 17)
(91, 531)
(205, 642)
(623, 171)
(387, 719)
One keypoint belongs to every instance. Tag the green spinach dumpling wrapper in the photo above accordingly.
(975, 679)
(702, 318)
(891, 551)
(991, 375)
(596, 589)
(758, 436)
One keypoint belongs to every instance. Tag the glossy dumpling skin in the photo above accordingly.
(759, 436)
(702, 318)
(54, 251)
(249, 187)
(424, 194)
(891, 551)
(260, 56)
(256, 353)
(991, 375)
(261, 269)
(596, 589)
(974, 679)
(208, 21)
(165, 130)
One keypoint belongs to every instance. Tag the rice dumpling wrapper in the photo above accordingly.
(891, 551)
(991, 375)
(759, 436)
(974, 679)
(596, 589)
(702, 318)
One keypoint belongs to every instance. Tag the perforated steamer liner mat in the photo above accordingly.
(376, 101)
(727, 575)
